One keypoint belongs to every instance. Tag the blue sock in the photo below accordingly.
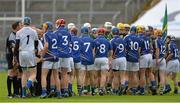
(142, 89)
(123, 86)
(58, 93)
(23, 91)
(44, 91)
(168, 86)
(62, 91)
(134, 90)
(29, 83)
(153, 84)
(70, 87)
(126, 83)
(52, 87)
(114, 91)
(66, 90)
(179, 84)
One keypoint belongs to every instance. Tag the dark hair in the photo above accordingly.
(15, 25)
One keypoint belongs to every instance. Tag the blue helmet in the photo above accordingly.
(48, 25)
(115, 31)
(27, 20)
(133, 29)
(84, 30)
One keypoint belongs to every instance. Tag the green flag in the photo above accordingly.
(165, 25)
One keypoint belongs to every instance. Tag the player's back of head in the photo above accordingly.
(115, 31)
(84, 30)
(27, 20)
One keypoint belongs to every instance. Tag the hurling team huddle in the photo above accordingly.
(107, 60)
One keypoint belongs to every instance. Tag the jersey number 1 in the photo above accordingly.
(27, 39)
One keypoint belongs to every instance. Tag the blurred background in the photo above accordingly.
(95, 12)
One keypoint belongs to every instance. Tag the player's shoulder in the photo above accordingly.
(127, 36)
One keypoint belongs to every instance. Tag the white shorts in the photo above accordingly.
(119, 64)
(71, 65)
(161, 66)
(27, 59)
(145, 61)
(173, 66)
(77, 65)
(154, 63)
(87, 67)
(50, 65)
(131, 66)
(65, 62)
(101, 63)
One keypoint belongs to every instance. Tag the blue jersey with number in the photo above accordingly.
(87, 46)
(118, 46)
(145, 41)
(172, 48)
(64, 39)
(52, 52)
(132, 47)
(76, 47)
(161, 46)
(102, 47)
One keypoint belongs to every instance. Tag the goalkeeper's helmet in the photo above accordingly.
(27, 21)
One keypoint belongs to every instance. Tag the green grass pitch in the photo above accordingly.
(107, 98)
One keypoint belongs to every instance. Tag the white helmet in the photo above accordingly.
(94, 30)
(108, 24)
(113, 26)
(71, 25)
(88, 25)
(146, 28)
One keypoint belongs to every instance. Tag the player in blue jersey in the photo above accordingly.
(87, 55)
(119, 63)
(172, 61)
(133, 48)
(160, 60)
(64, 39)
(50, 58)
(76, 47)
(103, 50)
(87, 88)
(145, 57)
(71, 69)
